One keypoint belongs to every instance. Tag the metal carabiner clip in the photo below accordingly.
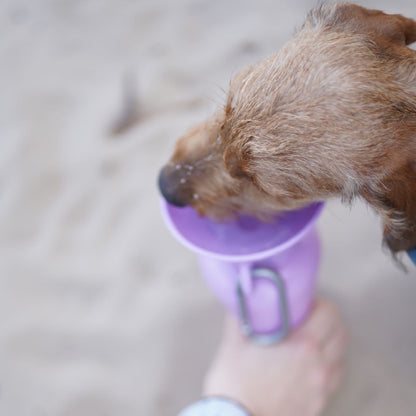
(280, 333)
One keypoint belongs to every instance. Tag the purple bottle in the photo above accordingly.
(263, 273)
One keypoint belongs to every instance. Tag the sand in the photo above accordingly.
(101, 311)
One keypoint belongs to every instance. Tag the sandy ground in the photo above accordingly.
(101, 311)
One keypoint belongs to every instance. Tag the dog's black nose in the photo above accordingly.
(171, 187)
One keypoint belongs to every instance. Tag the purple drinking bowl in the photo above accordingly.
(262, 272)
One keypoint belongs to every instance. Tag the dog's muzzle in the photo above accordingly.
(173, 186)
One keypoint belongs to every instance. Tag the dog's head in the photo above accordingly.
(333, 113)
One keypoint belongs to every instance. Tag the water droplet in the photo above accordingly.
(178, 166)
(196, 196)
(219, 139)
(183, 180)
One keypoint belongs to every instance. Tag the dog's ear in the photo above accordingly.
(381, 27)
(394, 198)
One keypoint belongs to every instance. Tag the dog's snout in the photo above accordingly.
(172, 187)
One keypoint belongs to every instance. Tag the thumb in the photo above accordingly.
(233, 331)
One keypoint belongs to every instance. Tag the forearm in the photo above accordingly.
(214, 406)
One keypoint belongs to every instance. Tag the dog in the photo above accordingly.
(332, 114)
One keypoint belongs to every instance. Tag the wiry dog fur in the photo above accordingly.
(332, 114)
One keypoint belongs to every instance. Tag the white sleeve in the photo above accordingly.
(214, 406)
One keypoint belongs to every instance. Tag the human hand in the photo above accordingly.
(295, 377)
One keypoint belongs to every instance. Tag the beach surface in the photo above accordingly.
(102, 312)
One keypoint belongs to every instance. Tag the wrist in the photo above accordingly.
(215, 406)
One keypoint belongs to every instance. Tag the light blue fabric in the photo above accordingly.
(214, 406)
(412, 255)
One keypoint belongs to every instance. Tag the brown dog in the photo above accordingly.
(331, 114)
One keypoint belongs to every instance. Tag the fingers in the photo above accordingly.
(322, 322)
(333, 351)
(330, 382)
(335, 377)
(323, 328)
(232, 332)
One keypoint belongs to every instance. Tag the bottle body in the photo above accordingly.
(297, 267)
